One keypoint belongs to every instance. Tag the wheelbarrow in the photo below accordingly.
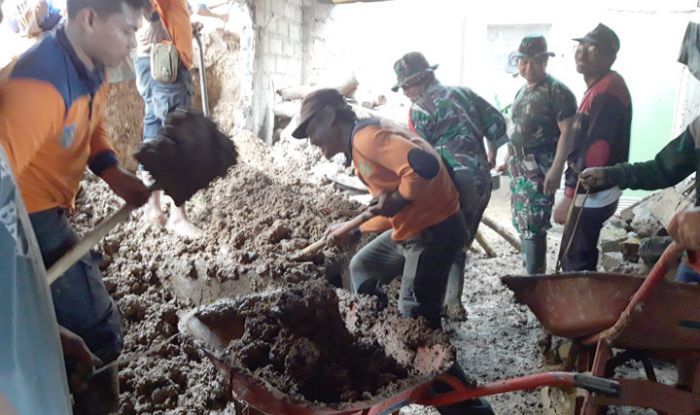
(214, 332)
(644, 317)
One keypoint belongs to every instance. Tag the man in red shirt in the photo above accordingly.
(601, 137)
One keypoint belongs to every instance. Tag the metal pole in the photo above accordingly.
(202, 77)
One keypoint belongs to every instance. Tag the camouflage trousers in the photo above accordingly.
(530, 206)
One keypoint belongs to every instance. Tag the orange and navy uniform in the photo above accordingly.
(387, 161)
(176, 17)
(51, 123)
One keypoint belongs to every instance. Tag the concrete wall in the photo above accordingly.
(688, 101)
(278, 56)
(287, 34)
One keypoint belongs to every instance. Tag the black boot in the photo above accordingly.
(534, 253)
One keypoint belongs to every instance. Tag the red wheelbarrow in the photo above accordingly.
(644, 317)
(430, 363)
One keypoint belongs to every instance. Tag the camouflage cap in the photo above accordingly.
(410, 67)
(533, 46)
(602, 36)
(315, 102)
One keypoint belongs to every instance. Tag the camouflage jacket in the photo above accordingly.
(536, 112)
(675, 162)
(455, 121)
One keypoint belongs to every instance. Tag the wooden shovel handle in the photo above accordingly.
(90, 240)
(343, 230)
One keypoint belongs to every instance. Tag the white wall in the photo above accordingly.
(312, 41)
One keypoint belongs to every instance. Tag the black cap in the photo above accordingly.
(602, 36)
(315, 102)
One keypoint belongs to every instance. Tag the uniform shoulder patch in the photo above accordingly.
(423, 163)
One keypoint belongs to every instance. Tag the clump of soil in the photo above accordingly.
(297, 341)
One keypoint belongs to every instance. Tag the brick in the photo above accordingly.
(283, 28)
(288, 11)
(292, 49)
(275, 45)
(321, 11)
(294, 32)
(268, 63)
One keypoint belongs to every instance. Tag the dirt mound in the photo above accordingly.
(252, 223)
(311, 345)
(297, 341)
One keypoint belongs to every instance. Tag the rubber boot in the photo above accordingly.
(534, 254)
(453, 308)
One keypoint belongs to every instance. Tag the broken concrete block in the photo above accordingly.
(614, 262)
(645, 224)
(611, 239)
(650, 249)
(616, 222)
(630, 249)
(627, 214)
(611, 260)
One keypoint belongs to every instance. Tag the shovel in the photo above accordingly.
(187, 155)
(341, 231)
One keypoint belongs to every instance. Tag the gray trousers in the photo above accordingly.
(423, 262)
(473, 203)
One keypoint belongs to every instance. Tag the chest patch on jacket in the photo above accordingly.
(67, 136)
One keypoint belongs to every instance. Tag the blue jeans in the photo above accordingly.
(80, 299)
(687, 274)
(159, 97)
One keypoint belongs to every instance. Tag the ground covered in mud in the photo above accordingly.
(255, 219)
(253, 225)
(274, 203)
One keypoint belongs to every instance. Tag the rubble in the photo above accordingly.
(308, 344)
(644, 223)
(633, 240)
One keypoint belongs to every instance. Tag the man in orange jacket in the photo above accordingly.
(51, 129)
(417, 214)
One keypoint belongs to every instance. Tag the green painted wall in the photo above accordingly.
(647, 60)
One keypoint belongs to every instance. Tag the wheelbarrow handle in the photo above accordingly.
(463, 392)
(601, 386)
(655, 276)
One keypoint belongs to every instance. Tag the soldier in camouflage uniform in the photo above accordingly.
(542, 114)
(455, 121)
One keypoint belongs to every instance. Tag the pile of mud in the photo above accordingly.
(308, 344)
(252, 223)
